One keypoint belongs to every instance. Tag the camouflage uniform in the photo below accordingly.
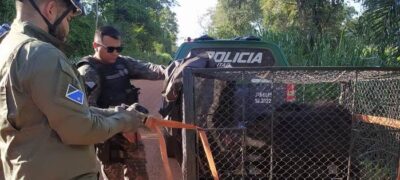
(134, 166)
(133, 163)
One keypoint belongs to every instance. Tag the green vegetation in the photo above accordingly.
(148, 27)
(373, 170)
(316, 32)
(310, 32)
(7, 11)
(311, 93)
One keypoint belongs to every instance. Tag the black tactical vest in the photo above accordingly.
(115, 83)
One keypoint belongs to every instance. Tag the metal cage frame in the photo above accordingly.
(189, 139)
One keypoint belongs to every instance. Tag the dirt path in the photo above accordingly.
(150, 97)
(154, 164)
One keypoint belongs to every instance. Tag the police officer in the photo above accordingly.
(107, 76)
(47, 129)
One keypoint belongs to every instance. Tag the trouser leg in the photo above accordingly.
(114, 171)
(135, 164)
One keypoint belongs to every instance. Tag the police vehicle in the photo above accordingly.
(247, 51)
(242, 100)
(239, 52)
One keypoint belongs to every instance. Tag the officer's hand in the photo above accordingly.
(135, 120)
(148, 122)
(141, 109)
(138, 107)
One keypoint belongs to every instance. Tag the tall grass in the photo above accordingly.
(344, 49)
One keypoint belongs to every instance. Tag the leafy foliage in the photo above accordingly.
(148, 27)
(381, 23)
(316, 32)
(81, 36)
(7, 11)
(278, 15)
(236, 18)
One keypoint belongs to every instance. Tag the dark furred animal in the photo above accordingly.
(275, 140)
(286, 140)
(311, 141)
(298, 141)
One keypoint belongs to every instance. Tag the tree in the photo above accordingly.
(170, 29)
(7, 11)
(381, 24)
(236, 18)
(315, 18)
(278, 15)
(319, 18)
(81, 36)
(148, 27)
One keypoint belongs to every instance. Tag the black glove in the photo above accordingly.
(140, 108)
(137, 118)
(136, 107)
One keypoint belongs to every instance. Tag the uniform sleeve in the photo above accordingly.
(104, 112)
(142, 70)
(92, 83)
(57, 91)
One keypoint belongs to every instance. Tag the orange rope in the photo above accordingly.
(154, 123)
(209, 155)
(383, 121)
(163, 151)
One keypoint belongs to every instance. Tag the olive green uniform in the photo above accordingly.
(47, 128)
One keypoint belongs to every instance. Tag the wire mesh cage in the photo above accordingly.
(295, 123)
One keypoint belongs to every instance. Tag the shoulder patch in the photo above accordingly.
(74, 94)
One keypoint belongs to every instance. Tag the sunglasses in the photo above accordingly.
(111, 49)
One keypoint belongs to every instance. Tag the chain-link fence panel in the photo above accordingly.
(304, 123)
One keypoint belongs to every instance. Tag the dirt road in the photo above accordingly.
(150, 97)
